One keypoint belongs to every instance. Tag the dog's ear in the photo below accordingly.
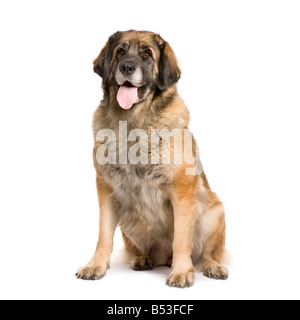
(102, 63)
(169, 71)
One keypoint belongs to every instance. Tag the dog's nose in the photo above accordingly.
(127, 68)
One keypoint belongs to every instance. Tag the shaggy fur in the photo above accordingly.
(166, 217)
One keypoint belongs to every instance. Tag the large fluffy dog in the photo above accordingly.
(167, 215)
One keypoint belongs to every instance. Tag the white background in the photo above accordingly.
(240, 79)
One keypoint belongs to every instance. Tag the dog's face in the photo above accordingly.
(136, 64)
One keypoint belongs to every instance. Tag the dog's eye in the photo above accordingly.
(121, 51)
(148, 53)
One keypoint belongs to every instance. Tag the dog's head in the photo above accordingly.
(136, 64)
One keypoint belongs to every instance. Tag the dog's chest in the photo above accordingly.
(140, 192)
(137, 183)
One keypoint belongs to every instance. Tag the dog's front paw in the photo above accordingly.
(181, 280)
(91, 273)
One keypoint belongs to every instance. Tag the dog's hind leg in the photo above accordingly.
(138, 260)
(211, 262)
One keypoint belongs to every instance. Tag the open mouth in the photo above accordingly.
(141, 90)
(128, 94)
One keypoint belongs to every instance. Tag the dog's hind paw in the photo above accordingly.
(141, 263)
(216, 272)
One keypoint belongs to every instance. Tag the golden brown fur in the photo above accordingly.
(166, 216)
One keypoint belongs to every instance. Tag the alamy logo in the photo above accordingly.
(141, 147)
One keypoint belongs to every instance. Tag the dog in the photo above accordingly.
(167, 212)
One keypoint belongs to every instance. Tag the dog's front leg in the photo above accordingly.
(186, 210)
(96, 268)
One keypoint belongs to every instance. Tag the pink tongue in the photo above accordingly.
(127, 96)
